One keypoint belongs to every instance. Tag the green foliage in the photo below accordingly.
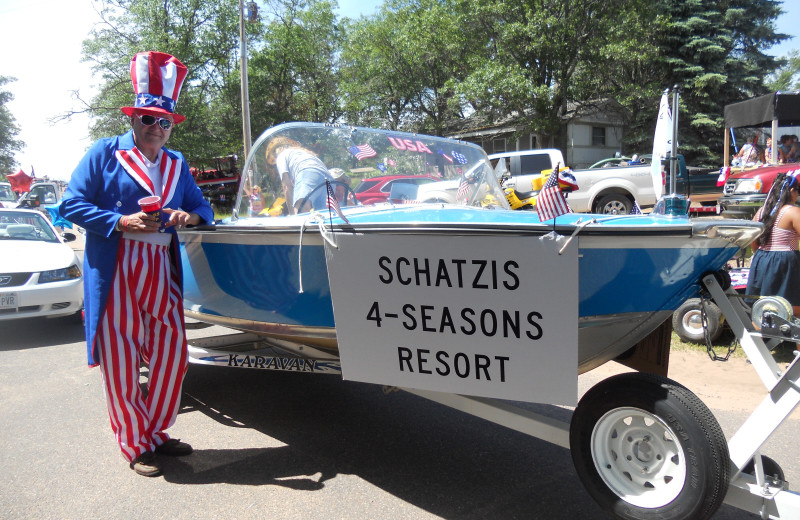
(420, 65)
(9, 144)
(203, 35)
(787, 77)
(714, 52)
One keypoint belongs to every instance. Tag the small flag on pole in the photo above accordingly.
(636, 210)
(362, 151)
(463, 188)
(333, 203)
(550, 202)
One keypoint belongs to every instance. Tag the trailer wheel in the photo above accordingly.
(688, 323)
(647, 448)
(614, 204)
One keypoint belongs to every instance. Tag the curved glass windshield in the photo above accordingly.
(25, 225)
(291, 166)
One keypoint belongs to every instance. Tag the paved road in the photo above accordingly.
(269, 445)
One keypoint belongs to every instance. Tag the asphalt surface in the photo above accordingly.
(273, 445)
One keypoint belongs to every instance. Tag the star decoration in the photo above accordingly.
(159, 101)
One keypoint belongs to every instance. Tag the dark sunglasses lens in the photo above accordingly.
(148, 120)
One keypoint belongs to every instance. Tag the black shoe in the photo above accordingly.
(146, 464)
(174, 448)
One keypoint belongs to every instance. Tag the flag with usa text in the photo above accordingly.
(333, 203)
(550, 202)
(362, 151)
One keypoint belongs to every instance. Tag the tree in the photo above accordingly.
(9, 130)
(401, 67)
(294, 74)
(714, 52)
(203, 35)
(787, 77)
(542, 58)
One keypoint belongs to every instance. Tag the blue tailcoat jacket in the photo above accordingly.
(99, 193)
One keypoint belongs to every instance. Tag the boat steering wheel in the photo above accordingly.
(349, 198)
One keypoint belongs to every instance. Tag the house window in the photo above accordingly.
(498, 145)
(598, 136)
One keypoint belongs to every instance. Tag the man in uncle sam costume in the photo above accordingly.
(132, 270)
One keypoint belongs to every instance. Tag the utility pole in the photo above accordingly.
(243, 69)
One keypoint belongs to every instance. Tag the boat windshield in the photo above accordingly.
(291, 166)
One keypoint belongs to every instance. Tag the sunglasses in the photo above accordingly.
(148, 120)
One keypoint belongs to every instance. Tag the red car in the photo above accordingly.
(375, 190)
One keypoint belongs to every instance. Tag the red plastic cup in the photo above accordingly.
(150, 205)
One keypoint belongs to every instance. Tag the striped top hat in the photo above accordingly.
(157, 78)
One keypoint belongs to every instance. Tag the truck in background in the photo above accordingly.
(746, 190)
(608, 190)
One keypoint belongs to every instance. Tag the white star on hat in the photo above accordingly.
(142, 99)
(159, 101)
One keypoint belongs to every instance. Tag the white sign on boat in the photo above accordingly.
(437, 313)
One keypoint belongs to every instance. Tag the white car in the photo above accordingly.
(40, 275)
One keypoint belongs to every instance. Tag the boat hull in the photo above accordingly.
(632, 273)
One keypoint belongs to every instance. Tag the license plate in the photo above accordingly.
(8, 300)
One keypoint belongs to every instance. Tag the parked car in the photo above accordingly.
(744, 192)
(375, 190)
(40, 274)
(7, 197)
(611, 162)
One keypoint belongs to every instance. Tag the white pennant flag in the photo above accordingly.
(662, 143)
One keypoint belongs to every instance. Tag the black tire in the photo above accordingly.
(647, 448)
(614, 204)
(688, 324)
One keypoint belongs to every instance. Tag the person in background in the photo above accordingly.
(748, 154)
(132, 287)
(301, 173)
(775, 266)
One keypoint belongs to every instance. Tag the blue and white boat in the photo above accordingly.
(644, 446)
(247, 271)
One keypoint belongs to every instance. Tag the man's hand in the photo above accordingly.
(140, 223)
(180, 218)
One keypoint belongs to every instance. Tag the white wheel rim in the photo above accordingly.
(614, 208)
(693, 322)
(638, 457)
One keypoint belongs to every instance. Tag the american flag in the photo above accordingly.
(447, 157)
(362, 151)
(463, 188)
(550, 202)
(636, 210)
(333, 204)
(460, 158)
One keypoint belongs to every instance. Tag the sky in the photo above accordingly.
(48, 36)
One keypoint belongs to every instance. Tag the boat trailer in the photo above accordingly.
(755, 483)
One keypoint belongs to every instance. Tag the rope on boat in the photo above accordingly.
(578, 227)
(313, 218)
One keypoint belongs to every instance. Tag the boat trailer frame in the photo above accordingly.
(756, 493)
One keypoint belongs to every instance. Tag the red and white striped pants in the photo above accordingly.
(143, 321)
